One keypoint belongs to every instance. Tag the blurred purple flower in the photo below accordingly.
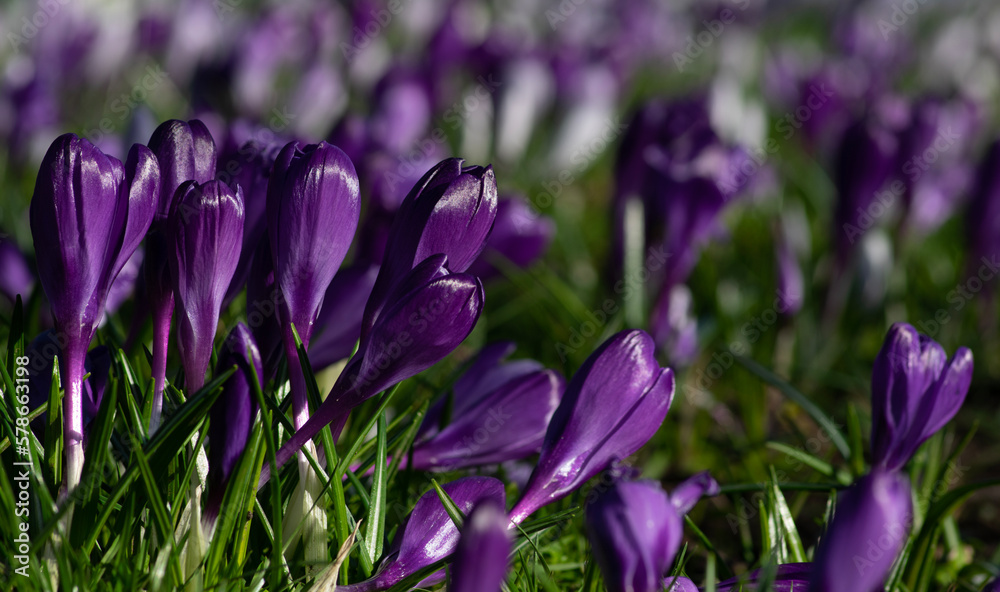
(88, 214)
(635, 530)
(982, 220)
(613, 405)
(429, 535)
(864, 162)
(17, 277)
(206, 233)
(480, 431)
(916, 390)
(231, 417)
(263, 297)
(480, 561)
(871, 524)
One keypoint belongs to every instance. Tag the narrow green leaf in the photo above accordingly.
(785, 522)
(372, 547)
(454, 512)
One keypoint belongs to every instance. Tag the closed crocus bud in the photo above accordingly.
(207, 233)
(429, 534)
(88, 215)
(486, 401)
(449, 211)
(429, 315)
(870, 525)
(231, 417)
(480, 561)
(916, 390)
(313, 206)
(635, 530)
(864, 161)
(185, 152)
(613, 405)
(520, 235)
(16, 278)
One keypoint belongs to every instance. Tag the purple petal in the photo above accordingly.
(612, 407)
(186, 152)
(687, 494)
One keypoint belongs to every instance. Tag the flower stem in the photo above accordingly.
(161, 342)
(72, 371)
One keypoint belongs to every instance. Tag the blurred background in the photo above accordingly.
(777, 180)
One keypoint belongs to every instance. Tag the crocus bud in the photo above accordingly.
(313, 206)
(429, 534)
(487, 398)
(520, 235)
(231, 417)
(186, 152)
(635, 530)
(449, 211)
(429, 315)
(480, 562)
(870, 525)
(207, 232)
(17, 277)
(613, 405)
(88, 214)
(916, 390)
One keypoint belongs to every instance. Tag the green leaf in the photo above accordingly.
(454, 512)
(375, 531)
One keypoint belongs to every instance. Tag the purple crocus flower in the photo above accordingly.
(207, 232)
(231, 417)
(429, 534)
(520, 235)
(613, 405)
(916, 390)
(429, 314)
(871, 524)
(480, 562)
(487, 397)
(313, 206)
(186, 152)
(635, 530)
(17, 277)
(451, 211)
(88, 215)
